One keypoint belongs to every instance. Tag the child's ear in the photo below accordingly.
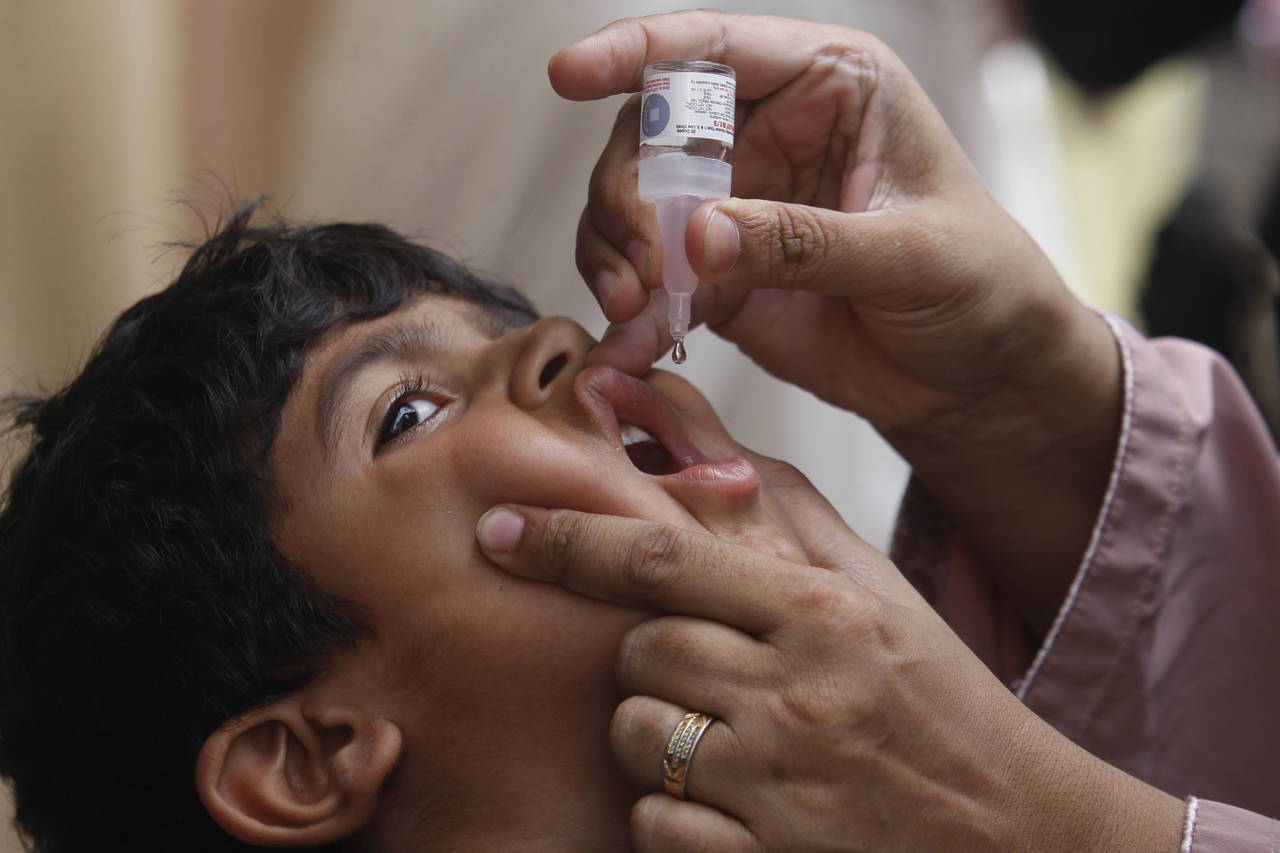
(303, 770)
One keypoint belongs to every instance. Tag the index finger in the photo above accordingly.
(764, 51)
(646, 564)
(634, 346)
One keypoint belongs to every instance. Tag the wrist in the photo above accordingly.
(1073, 801)
(1023, 472)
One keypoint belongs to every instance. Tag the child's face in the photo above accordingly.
(401, 433)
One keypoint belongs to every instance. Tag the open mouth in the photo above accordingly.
(639, 419)
(647, 453)
(647, 428)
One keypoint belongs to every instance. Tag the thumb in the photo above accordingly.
(635, 345)
(766, 244)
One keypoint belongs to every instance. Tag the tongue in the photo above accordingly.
(651, 458)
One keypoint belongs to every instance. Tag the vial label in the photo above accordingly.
(683, 105)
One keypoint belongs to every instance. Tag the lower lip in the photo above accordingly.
(734, 473)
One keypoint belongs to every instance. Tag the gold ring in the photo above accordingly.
(684, 740)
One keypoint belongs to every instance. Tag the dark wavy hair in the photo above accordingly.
(142, 601)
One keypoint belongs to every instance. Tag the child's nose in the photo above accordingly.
(553, 352)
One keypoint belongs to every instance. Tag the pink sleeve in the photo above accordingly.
(1218, 828)
(1164, 659)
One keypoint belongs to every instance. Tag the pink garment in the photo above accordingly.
(1165, 656)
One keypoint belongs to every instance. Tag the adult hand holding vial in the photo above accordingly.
(686, 145)
(863, 259)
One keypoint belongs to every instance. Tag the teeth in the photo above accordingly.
(632, 434)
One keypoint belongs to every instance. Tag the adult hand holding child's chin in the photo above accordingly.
(848, 716)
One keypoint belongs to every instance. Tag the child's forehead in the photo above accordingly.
(450, 316)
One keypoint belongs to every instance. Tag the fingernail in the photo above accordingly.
(721, 243)
(638, 254)
(606, 284)
(499, 530)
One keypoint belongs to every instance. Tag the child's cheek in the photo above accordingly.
(519, 460)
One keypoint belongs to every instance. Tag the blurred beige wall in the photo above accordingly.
(89, 146)
(114, 113)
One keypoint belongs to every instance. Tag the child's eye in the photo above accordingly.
(405, 415)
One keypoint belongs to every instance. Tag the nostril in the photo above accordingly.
(552, 370)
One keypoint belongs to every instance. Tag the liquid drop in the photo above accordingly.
(678, 355)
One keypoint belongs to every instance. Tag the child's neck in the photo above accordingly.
(539, 802)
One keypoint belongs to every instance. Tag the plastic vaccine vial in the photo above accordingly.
(686, 151)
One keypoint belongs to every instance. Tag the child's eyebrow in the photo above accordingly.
(403, 343)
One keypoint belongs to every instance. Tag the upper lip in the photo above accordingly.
(610, 398)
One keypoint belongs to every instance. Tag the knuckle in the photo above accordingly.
(659, 645)
(627, 726)
(821, 709)
(602, 186)
(783, 475)
(840, 617)
(871, 573)
(562, 536)
(798, 244)
(587, 250)
(655, 560)
(631, 653)
(647, 824)
(830, 607)
(586, 265)
(857, 64)
(671, 649)
(791, 472)
(611, 216)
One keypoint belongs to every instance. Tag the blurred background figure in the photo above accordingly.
(1211, 273)
(438, 120)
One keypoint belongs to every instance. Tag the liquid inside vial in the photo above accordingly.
(687, 116)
